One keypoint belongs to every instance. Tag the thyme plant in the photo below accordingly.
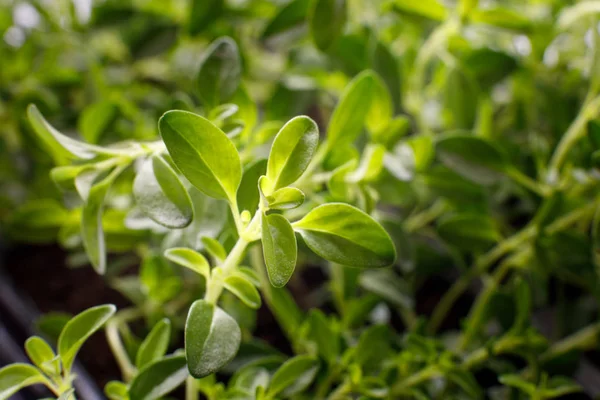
(452, 141)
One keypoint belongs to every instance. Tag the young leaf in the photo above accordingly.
(116, 390)
(370, 165)
(279, 248)
(202, 152)
(212, 338)
(78, 329)
(327, 19)
(472, 157)
(322, 331)
(244, 290)
(16, 376)
(292, 150)
(91, 221)
(220, 72)
(431, 9)
(214, 248)
(248, 195)
(295, 375)
(155, 344)
(353, 107)
(190, 259)
(160, 194)
(285, 198)
(344, 234)
(158, 378)
(41, 354)
(61, 145)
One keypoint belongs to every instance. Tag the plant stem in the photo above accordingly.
(501, 249)
(574, 133)
(419, 377)
(191, 390)
(586, 338)
(419, 220)
(112, 335)
(528, 183)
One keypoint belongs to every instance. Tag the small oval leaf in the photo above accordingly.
(212, 338)
(14, 377)
(190, 259)
(244, 290)
(202, 152)
(286, 198)
(220, 72)
(292, 150)
(346, 235)
(295, 375)
(280, 248)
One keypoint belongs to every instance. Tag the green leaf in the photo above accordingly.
(155, 344)
(502, 18)
(472, 157)
(349, 116)
(202, 152)
(373, 348)
(220, 72)
(79, 329)
(516, 381)
(212, 338)
(292, 150)
(248, 195)
(285, 198)
(92, 233)
(160, 194)
(295, 375)
(214, 248)
(460, 99)
(41, 355)
(431, 9)
(386, 65)
(202, 13)
(559, 386)
(62, 146)
(327, 19)
(289, 16)
(16, 376)
(469, 232)
(323, 332)
(96, 119)
(401, 162)
(370, 165)
(279, 248)
(381, 108)
(344, 234)
(243, 290)
(593, 130)
(158, 378)
(190, 259)
(116, 390)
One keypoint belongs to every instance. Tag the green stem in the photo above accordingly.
(415, 379)
(418, 221)
(477, 314)
(528, 183)
(501, 249)
(574, 133)
(586, 338)
(114, 341)
(191, 389)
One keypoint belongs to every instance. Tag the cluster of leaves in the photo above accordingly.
(459, 142)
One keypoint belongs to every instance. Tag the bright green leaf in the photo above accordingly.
(344, 234)
(279, 248)
(190, 259)
(243, 289)
(285, 198)
(16, 376)
(78, 329)
(292, 150)
(202, 152)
